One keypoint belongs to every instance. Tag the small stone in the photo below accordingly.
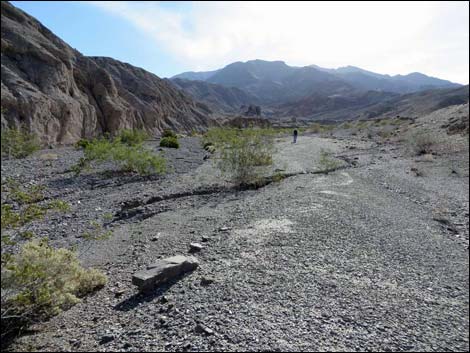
(119, 292)
(206, 281)
(106, 339)
(224, 229)
(203, 329)
(164, 299)
(195, 247)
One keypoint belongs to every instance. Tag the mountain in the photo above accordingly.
(275, 81)
(62, 95)
(372, 104)
(368, 80)
(217, 97)
(196, 76)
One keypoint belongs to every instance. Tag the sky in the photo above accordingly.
(168, 38)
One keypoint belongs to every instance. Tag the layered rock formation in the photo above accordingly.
(62, 95)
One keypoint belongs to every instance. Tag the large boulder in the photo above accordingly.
(163, 271)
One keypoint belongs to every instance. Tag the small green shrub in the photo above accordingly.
(82, 144)
(128, 158)
(17, 143)
(170, 142)
(327, 163)
(10, 218)
(243, 153)
(139, 160)
(132, 137)
(41, 281)
(169, 133)
(422, 143)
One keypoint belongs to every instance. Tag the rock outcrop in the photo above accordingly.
(62, 95)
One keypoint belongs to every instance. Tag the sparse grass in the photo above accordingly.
(170, 142)
(29, 205)
(346, 125)
(320, 128)
(33, 194)
(243, 153)
(97, 233)
(278, 177)
(108, 216)
(384, 134)
(18, 143)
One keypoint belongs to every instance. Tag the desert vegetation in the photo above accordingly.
(242, 154)
(422, 143)
(38, 280)
(126, 151)
(18, 143)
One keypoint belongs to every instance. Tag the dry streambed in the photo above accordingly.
(352, 260)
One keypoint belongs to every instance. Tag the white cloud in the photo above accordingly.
(386, 37)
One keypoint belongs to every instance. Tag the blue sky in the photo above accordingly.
(168, 38)
(95, 32)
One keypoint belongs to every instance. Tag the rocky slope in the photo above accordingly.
(372, 104)
(217, 97)
(62, 95)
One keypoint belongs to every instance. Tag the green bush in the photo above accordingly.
(171, 142)
(41, 281)
(168, 133)
(132, 137)
(243, 153)
(128, 158)
(422, 143)
(327, 163)
(82, 143)
(17, 143)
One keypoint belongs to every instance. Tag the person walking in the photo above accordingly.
(295, 135)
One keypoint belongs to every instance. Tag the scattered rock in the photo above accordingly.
(119, 292)
(195, 247)
(106, 339)
(206, 281)
(163, 271)
(203, 329)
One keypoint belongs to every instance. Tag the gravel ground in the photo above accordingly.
(351, 260)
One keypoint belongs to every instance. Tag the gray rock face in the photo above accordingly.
(163, 271)
(62, 96)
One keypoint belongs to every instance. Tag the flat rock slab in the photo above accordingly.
(163, 271)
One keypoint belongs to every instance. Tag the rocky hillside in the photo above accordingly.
(373, 104)
(62, 95)
(217, 97)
